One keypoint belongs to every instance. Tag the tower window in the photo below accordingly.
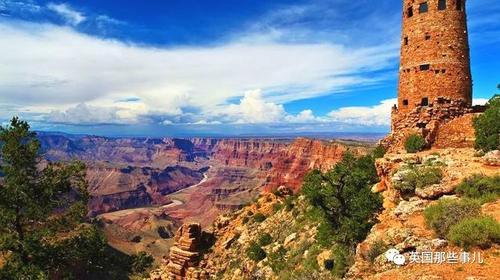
(427, 37)
(425, 101)
(409, 12)
(442, 5)
(405, 102)
(459, 5)
(423, 8)
(425, 67)
(406, 41)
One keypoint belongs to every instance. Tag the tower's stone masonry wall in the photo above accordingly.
(445, 122)
(434, 54)
(458, 133)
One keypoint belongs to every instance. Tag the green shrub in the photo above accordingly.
(376, 249)
(277, 207)
(342, 259)
(378, 152)
(289, 203)
(414, 143)
(487, 126)
(481, 187)
(265, 239)
(417, 177)
(342, 200)
(447, 213)
(326, 234)
(255, 252)
(277, 260)
(141, 262)
(259, 217)
(479, 231)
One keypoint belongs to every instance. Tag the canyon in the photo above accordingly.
(142, 189)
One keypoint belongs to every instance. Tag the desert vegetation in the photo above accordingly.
(414, 176)
(487, 126)
(447, 213)
(44, 231)
(414, 143)
(478, 231)
(481, 187)
(462, 222)
(344, 206)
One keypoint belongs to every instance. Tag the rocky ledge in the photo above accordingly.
(184, 256)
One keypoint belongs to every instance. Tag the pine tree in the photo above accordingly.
(30, 192)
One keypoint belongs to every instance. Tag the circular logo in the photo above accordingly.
(389, 255)
(399, 259)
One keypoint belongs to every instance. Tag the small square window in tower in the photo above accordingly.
(459, 5)
(425, 101)
(423, 8)
(427, 36)
(405, 102)
(409, 12)
(442, 5)
(425, 67)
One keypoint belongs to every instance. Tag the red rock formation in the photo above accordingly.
(184, 255)
(299, 158)
(285, 163)
(253, 153)
(114, 189)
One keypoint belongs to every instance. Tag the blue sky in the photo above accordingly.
(225, 67)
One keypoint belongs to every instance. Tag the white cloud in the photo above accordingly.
(379, 114)
(306, 116)
(479, 101)
(71, 15)
(254, 109)
(51, 68)
(85, 114)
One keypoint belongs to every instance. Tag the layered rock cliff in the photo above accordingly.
(284, 163)
(114, 189)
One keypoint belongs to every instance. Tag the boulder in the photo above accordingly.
(435, 191)
(289, 239)
(492, 158)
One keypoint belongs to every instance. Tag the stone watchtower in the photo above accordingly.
(435, 84)
(434, 54)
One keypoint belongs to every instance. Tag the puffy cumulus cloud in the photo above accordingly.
(51, 68)
(306, 116)
(254, 109)
(84, 114)
(379, 114)
(70, 15)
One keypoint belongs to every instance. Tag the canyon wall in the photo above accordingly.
(136, 172)
(114, 189)
(284, 162)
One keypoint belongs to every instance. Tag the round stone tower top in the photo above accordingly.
(435, 62)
